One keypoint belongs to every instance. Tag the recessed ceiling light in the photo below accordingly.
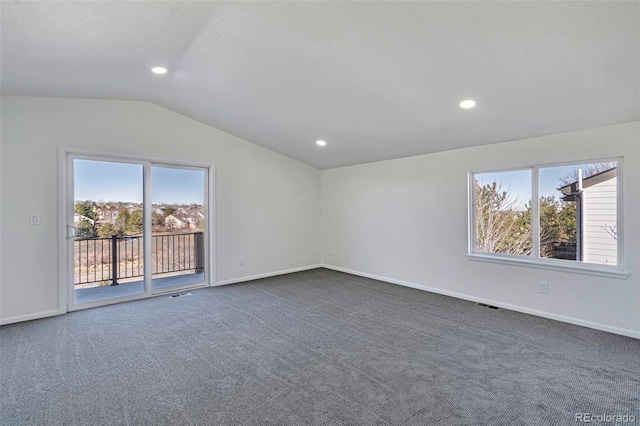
(321, 143)
(467, 103)
(159, 70)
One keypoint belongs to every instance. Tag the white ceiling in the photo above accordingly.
(376, 80)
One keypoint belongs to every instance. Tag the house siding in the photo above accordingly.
(600, 215)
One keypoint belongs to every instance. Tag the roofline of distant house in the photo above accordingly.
(592, 180)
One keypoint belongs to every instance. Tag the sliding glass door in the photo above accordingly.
(134, 229)
(108, 246)
(179, 224)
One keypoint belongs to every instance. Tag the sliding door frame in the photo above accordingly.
(66, 155)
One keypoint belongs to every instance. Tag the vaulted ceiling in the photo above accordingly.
(376, 80)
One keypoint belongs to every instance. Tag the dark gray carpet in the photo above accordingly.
(311, 348)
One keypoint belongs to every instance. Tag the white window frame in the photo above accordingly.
(534, 260)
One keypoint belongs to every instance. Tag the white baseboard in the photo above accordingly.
(29, 317)
(266, 275)
(562, 318)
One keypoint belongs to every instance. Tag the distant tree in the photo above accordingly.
(587, 171)
(169, 210)
(157, 219)
(134, 223)
(500, 226)
(568, 222)
(86, 209)
(119, 227)
(85, 229)
(557, 223)
(122, 221)
(107, 230)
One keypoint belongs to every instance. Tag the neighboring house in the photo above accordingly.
(195, 215)
(176, 221)
(596, 217)
(107, 214)
(185, 216)
(78, 217)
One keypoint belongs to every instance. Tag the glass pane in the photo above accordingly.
(178, 220)
(578, 212)
(108, 248)
(503, 212)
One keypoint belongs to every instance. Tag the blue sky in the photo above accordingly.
(107, 181)
(177, 186)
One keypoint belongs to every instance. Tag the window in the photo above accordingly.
(503, 213)
(556, 215)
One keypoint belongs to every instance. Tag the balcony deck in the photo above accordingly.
(94, 294)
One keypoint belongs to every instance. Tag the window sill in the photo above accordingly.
(553, 264)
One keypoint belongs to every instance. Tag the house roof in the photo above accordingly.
(177, 216)
(77, 217)
(376, 80)
(571, 188)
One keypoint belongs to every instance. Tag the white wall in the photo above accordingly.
(405, 221)
(268, 205)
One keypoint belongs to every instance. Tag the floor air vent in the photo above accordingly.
(175, 296)
(484, 305)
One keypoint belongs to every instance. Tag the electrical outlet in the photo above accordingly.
(346, 254)
(242, 261)
(543, 287)
(34, 219)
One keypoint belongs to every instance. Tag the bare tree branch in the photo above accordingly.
(587, 171)
(500, 226)
(611, 230)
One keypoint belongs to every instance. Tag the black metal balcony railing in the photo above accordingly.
(113, 258)
(566, 250)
